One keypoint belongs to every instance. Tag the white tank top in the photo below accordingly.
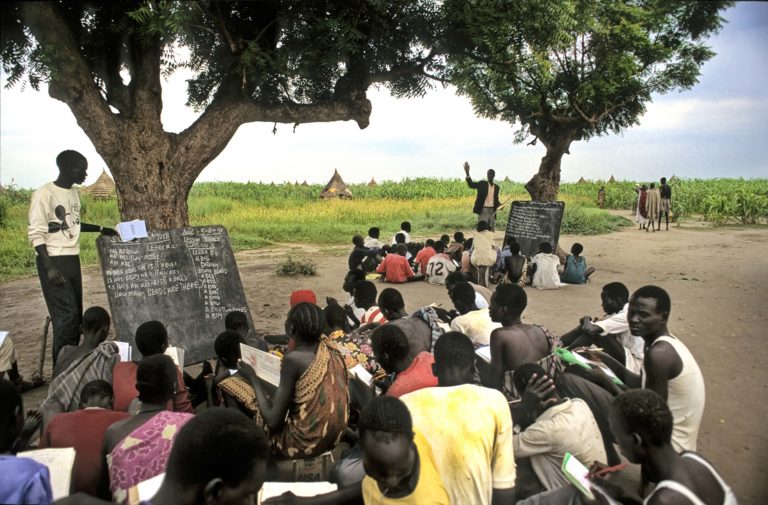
(685, 397)
(728, 497)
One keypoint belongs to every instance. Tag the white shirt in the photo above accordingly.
(407, 237)
(546, 275)
(477, 325)
(59, 206)
(616, 324)
(438, 268)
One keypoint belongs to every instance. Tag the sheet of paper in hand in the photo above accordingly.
(267, 365)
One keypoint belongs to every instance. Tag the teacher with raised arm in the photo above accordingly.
(487, 199)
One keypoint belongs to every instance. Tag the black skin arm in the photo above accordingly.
(273, 412)
(350, 495)
(661, 363)
(632, 380)
(53, 273)
(32, 423)
(94, 228)
(497, 361)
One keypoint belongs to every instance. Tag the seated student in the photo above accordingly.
(237, 321)
(405, 230)
(372, 240)
(611, 333)
(473, 322)
(151, 338)
(423, 256)
(95, 330)
(84, 430)
(483, 255)
(545, 268)
(439, 266)
(232, 390)
(309, 412)
(669, 368)
(576, 271)
(22, 480)
(361, 254)
(419, 332)
(137, 448)
(395, 267)
(9, 364)
(468, 427)
(516, 342)
(465, 264)
(455, 248)
(365, 299)
(482, 294)
(355, 347)
(354, 313)
(516, 266)
(551, 433)
(393, 352)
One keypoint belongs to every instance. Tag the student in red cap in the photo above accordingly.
(303, 296)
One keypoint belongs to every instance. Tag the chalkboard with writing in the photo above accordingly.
(531, 223)
(186, 278)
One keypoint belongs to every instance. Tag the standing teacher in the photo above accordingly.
(487, 199)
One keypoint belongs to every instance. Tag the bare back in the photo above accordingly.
(418, 332)
(512, 346)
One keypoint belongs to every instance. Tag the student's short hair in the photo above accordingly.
(374, 232)
(616, 290)
(458, 236)
(155, 378)
(358, 240)
(653, 185)
(439, 246)
(454, 349)
(227, 345)
(513, 298)
(663, 302)
(366, 291)
(94, 318)
(390, 339)
(456, 277)
(217, 443)
(577, 249)
(68, 158)
(391, 300)
(545, 247)
(406, 226)
(335, 315)
(469, 243)
(151, 338)
(444, 238)
(236, 320)
(663, 180)
(523, 374)
(647, 414)
(401, 249)
(96, 388)
(386, 418)
(400, 238)
(356, 274)
(307, 320)
(514, 248)
(429, 243)
(482, 226)
(464, 293)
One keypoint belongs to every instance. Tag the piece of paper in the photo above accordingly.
(129, 230)
(59, 462)
(484, 352)
(303, 489)
(267, 365)
(149, 488)
(177, 355)
(3, 335)
(124, 348)
(577, 473)
(361, 373)
(577, 359)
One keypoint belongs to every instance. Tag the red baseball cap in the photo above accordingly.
(303, 296)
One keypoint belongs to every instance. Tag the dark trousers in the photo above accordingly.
(65, 302)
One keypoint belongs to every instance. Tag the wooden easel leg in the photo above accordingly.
(43, 345)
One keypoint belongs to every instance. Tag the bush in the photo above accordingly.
(297, 265)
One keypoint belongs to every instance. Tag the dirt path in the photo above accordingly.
(717, 278)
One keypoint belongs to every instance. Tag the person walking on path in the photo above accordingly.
(487, 199)
(653, 206)
(665, 191)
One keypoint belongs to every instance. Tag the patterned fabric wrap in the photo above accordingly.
(356, 349)
(428, 314)
(241, 390)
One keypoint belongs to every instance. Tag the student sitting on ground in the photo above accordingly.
(355, 347)
(482, 294)
(422, 258)
(95, 330)
(439, 266)
(84, 430)
(483, 255)
(455, 248)
(393, 352)
(405, 230)
(137, 448)
(309, 412)
(362, 257)
(395, 267)
(365, 298)
(419, 332)
(465, 265)
(151, 338)
(545, 268)
(232, 390)
(576, 271)
(517, 342)
(473, 322)
(372, 240)
(354, 313)
(551, 433)
(516, 266)
(237, 321)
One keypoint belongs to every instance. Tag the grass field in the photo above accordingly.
(257, 215)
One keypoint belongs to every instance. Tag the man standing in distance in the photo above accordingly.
(54, 231)
(487, 199)
(666, 201)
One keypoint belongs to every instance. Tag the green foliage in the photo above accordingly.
(297, 265)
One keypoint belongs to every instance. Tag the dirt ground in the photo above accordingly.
(717, 278)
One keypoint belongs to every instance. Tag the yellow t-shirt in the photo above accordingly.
(469, 429)
(429, 488)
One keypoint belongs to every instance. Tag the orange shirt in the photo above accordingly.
(124, 386)
(417, 376)
(422, 258)
(395, 269)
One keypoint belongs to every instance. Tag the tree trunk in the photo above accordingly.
(544, 185)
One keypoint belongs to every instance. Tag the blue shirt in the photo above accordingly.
(24, 482)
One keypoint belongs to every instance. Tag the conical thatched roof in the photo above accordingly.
(373, 182)
(336, 188)
(673, 178)
(104, 187)
(507, 179)
(611, 179)
(581, 181)
(304, 183)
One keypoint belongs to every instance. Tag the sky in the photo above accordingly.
(719, 128)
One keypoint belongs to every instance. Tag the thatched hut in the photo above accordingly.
(672, 179)
(304, 183)
(103, 188)
(611, 180)
(336, 188)
(507, 179)
(373, 183)
(581, 181)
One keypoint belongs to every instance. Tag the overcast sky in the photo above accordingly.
(717, 129)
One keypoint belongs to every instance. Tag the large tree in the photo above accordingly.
(281, 61)
(569, 70)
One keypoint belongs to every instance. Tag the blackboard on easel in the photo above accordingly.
(531, 223)
(185, 278)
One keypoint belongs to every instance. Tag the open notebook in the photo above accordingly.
(59, 462)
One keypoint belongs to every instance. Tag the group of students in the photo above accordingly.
(467, 406)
